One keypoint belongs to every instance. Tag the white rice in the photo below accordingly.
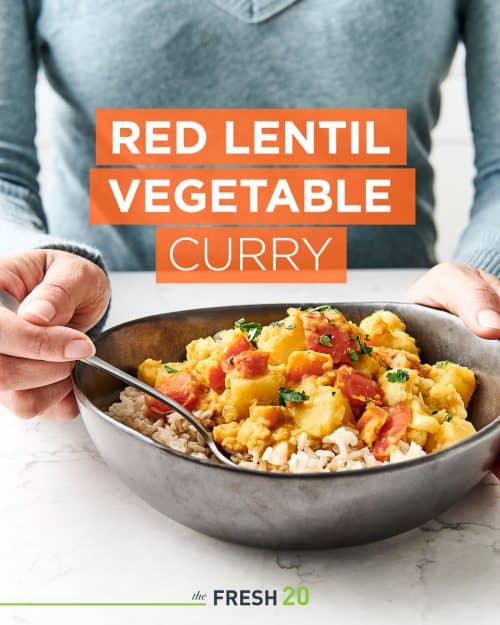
(340, 451)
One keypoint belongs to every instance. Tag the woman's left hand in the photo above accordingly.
(471, 294)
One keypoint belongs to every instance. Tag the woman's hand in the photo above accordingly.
(63, 295)
(471, 294)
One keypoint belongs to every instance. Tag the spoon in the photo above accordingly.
(9, 302)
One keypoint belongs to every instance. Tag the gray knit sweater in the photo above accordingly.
(238, 53)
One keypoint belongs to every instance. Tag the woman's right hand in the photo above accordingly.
(62, 296)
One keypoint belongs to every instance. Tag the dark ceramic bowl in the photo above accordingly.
(291, 511)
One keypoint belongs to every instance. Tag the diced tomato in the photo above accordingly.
(251, 363)
(240, 344)
(181, 387)
(357, 387)
(304, 363)
(391, 432)
(316, 325)
(217, 374)
(371, 422)
(217, 378)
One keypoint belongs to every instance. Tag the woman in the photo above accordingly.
(220, 53)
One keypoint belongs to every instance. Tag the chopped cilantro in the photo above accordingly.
(252, 328)
(334, 393)
(364, 349)
(442, 363)
(353, 355)
(321, 308)
(448, 417)
(434, 411)
(400, 375)
(290, 326)
(326, 340)
(287, 394)
(170, 369)
(276, 323)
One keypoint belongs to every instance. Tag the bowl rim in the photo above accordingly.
(464, 444)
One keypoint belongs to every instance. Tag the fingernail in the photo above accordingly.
(79, 348)
(489, 319)
(39, 308)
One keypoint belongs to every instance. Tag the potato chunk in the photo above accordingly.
(461, 378)
(284, 339)
(322, 413)
(259, 390)
(449, 433)
(399, 392)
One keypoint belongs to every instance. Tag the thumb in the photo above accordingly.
(74, 292)
(464, 291)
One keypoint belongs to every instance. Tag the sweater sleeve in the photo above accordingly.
(479, 244)
(23, 224)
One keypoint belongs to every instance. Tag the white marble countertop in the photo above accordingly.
(71, 532)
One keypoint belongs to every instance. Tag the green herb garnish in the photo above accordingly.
(334, 393)
(448, 417)
(326, 340)
(290, 326)
(321, 308)
(287, 394)
(364, 349)
(353, 355)
(442, 363)
(276, 323)
(252, 328)
(170, 369)
(400, 375)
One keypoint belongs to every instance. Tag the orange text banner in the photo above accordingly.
(251, 136)
(243, 255)
(330, 196)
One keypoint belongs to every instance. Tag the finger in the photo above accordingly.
(18, 374)
(463, 291)
(55, 344)
(493, 281)
(20, 273)
(28, 404)
(74, 291)
(65, 410)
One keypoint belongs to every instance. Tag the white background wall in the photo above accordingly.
(451, 156)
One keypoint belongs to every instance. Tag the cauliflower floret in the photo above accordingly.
(461, 378)
(443, 396)
(386, 329)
